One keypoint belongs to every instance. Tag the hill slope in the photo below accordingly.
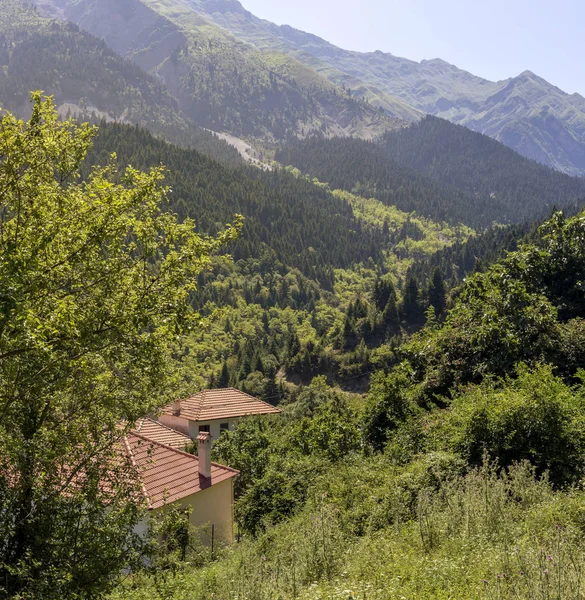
(286, 219)
(478, 165)
(361, 167)
(220, 82)
(442, 171)
(87, 79)
(527, 113)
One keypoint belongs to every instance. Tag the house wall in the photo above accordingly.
(214, 427)
(177, 423)
(213, 505)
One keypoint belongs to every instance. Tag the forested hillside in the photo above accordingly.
(410, 295)
(361, 167)
(325, 279)
(220, 82)
(88, 79)
(440, 170)
(477, 164)
(319, 276)
(285, 216)
(460, 462)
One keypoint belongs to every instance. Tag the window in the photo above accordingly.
(223, 427)
(204, 428)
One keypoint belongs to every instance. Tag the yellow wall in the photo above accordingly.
(213, 505)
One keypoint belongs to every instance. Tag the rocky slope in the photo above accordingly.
(221, 82)
(525, 112)
(87, 79)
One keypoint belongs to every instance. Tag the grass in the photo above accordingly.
(480, 536)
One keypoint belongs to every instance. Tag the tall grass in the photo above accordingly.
(484, 535)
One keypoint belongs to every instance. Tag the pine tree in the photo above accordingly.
(411, 308)
(390, 315)
(437, 293)
(224, 378)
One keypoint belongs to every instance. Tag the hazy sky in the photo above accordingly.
(494, 39)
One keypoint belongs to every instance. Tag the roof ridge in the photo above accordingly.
(203, 396)
(135, 465)
(167, 447)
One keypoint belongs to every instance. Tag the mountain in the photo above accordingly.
(219, 81)
(479, 165)
(288, 221)
(442, 171)
(88, 79)
(526, 113)
(362, 167)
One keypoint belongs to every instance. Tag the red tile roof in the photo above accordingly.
(212, 405)
(157, 432)
(169, 474)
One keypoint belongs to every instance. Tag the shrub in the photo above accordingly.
(536, 417)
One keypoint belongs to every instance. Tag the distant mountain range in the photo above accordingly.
(214, 64)
(526, 113)
(231, 71)
(219, 81)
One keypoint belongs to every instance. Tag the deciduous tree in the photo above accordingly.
(94, 283)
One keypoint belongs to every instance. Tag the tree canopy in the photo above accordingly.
(94, 284)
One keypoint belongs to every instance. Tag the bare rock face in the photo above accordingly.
(47, 8)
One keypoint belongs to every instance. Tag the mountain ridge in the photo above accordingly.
(442, 171)
(87, 79)
(549, 127)
(223, 83)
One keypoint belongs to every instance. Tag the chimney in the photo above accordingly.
(204, 452)
(176, 408)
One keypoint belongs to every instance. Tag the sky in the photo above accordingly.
(494, 39)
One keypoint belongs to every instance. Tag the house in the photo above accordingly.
(171, 476)
(213, 411)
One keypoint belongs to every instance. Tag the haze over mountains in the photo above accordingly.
(220, 81)
(525, 112)
(234, 72)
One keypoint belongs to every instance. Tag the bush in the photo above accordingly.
(387, 407)
(536, 417)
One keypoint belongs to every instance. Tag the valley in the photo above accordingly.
(280, 320)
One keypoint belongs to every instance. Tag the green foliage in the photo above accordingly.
(437, 292)
(477, 182)
(284, 216)
(284, 260)
(513, 312)
(425, 531)
(386, 408)
(521, 189)
(535, 418)
(88, 80)
(278, 458)
(362, 168)
(94, 285)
